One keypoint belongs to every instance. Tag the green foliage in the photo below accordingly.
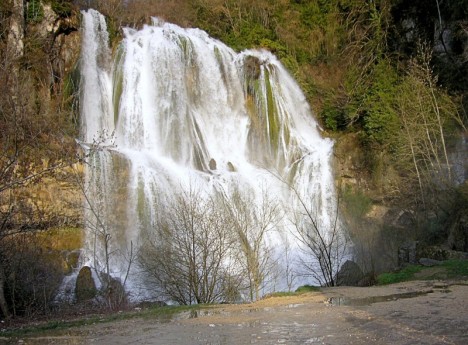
(34, 11)
(113, 29)
(405, 274)
(71, 90)
(299, 291)
(450, 269)
(307, 288)
(250, 35)
(456, 268)
(275, 47)
(64, 8)
(357, 204)
(381, 123)
(334, 116)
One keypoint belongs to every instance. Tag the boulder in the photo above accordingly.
(252, 67)
(113, 291)
(350, 274)
(212, 164)
(73, 258)
(433, 252)
(70, 260)
(429, 262)
(85, 288)
(231, 167)
(407, 253)
(440, 253)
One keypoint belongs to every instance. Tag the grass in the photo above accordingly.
(405, 274)
(456, 268)
(299, 291)
(451, 269)
(160, 313)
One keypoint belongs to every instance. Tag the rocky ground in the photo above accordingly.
(417, 312)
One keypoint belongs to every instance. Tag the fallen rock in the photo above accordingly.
(212, 164)
(429, 262)
(350, 274)
(85, 288)
(231, 167)
(113, 291)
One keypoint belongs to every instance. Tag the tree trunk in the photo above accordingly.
(3, 302)
(16, 32)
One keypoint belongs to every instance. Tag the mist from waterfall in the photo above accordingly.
(175, 110)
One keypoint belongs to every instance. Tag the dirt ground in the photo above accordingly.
(418, 312)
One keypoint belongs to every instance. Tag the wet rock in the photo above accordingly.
(456, 255)
(407, 253)
(368, 280)
(70, 260)
(73, 258)
(85, 288)
(429, 262)
(212, 164)
(440, 253)
(350, 274)
(252, 67)
(432, 252)
(113, 291)
(230, 167)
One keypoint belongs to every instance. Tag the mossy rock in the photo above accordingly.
(252, 67)
(85, 288)
(113, 291)
(212, 164)
(73, 258)
(231, 167)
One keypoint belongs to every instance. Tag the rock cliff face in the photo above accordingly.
(442, 24)
(43, 51)
(381, 222)
(62, 38)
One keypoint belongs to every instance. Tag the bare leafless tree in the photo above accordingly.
(100, 220)
(252, 217)
(426, 112)
(324, 246)
(190, 254)
(324, 241)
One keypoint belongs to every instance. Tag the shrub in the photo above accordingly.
(34, 11)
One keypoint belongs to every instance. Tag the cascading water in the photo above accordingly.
(177, 110)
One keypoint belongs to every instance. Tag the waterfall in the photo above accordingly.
(176, 110)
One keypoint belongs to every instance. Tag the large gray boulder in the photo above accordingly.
(350, 274)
